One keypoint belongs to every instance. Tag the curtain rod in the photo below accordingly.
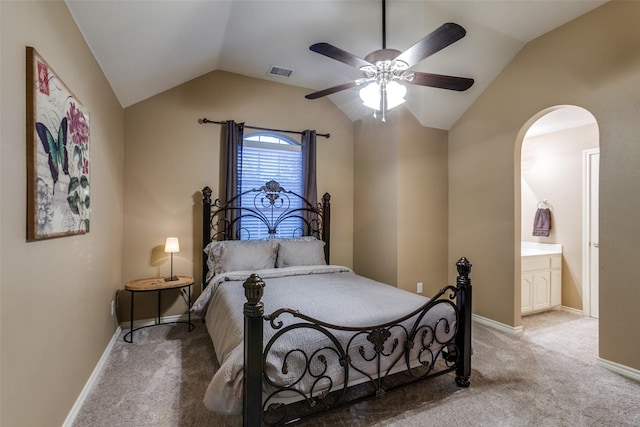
(205, 121)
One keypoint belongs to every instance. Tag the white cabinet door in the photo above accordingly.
(541, 283)
(541, 290)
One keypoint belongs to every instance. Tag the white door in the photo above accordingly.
(594, 254)
(591, 249)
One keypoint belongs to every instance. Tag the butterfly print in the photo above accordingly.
(56, 150)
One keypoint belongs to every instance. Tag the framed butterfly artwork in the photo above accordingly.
(58, 201)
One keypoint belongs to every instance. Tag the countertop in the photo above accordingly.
(535, 248)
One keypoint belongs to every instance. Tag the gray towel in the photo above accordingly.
(542, 222)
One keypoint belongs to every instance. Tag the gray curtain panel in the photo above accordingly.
(310, 187)
(233, 173)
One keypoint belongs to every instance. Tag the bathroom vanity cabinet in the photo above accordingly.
(541, 282)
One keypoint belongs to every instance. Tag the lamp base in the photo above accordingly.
(171, 279)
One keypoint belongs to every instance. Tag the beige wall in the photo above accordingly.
(591, 62)
(170, 157)
(400, 182)
(55, 294)
(551, 167)
(422, 194)
(375, 168)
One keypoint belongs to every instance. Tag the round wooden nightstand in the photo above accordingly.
(158, 284)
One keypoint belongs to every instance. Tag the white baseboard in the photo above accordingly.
(514, 330)
(623, 370)
(572, 310)
(73, 413)
(164, 319)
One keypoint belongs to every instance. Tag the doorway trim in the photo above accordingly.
(586, 221)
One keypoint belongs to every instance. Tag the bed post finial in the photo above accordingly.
(253, 290)
(206, 195)
(253, 345)
(463, 337)
(464, 269)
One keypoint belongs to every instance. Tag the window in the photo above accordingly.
(267, 156)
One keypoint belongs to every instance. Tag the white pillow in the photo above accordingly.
(296, 252)
(240, 255)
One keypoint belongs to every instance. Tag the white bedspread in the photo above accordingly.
(334, 294)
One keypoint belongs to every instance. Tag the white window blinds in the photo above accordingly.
(266, 158)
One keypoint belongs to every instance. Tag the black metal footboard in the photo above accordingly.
(285, 383)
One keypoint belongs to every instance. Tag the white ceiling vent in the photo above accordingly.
(279, 71)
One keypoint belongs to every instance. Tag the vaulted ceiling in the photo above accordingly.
(147, 47)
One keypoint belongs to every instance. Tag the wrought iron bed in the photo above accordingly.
(403, 350)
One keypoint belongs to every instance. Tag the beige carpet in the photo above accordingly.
(545, 377)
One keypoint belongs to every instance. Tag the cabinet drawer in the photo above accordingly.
(532, 263)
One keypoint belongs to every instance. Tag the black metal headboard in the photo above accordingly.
(271, 205)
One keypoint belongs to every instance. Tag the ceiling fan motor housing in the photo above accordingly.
(384, 66)
(382, 55)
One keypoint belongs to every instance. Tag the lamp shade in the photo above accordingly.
(172, 245)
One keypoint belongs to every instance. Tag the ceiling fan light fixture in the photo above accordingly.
(399, 66)
(395, 94)
(372, 93)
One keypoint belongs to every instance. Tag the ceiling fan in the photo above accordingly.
(384, 70)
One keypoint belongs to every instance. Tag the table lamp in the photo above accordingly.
(171, 246)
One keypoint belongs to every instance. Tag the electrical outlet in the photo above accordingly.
(419, 288)
(113, 307)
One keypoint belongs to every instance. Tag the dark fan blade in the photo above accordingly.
(437, 40)
(329, 91)
(440, 81)
(338, 54)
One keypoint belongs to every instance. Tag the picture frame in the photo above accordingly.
(57, 124)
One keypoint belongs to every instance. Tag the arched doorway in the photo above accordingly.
(558, 171)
